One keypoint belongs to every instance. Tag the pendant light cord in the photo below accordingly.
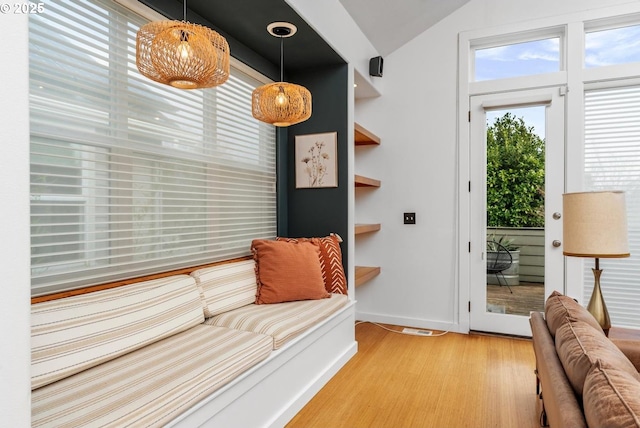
(281, 59)
(184, 5)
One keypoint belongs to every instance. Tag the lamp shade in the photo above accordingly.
(182, 54)
(281, 103)
(595, 224)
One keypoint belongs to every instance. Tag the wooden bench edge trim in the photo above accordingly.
(115, 284)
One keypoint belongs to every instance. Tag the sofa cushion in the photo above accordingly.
(75, 333)
(151, 386)
(579, 345)
(611, 397)
(335, 281)
(282, 321)
(560, 309)
(287, 271)
(227, 286)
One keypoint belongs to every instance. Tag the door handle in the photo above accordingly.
(557, 216)
(556, 243)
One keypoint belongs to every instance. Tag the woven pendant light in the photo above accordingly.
(182, 54)
(281, 103)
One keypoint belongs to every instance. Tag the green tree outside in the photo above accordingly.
(515, 174)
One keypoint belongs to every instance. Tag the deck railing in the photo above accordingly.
(530, 240)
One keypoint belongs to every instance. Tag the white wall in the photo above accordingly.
(416, 118)
(15, 351)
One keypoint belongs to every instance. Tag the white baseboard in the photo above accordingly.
(409, 322)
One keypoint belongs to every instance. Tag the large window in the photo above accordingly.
(590, 60)
(130, 177)
(612, 162)
(517, 59)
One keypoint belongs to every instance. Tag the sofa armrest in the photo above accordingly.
(560, 403)
(631, 349)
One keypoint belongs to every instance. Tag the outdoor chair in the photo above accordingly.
(501, 262)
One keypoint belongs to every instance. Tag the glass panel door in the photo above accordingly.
(517, 152)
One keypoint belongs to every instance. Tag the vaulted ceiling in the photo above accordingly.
(391, 24)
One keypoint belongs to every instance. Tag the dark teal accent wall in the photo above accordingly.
(318, 212)
(282, 185)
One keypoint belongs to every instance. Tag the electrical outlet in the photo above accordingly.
(409, 218)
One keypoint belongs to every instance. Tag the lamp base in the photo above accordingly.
(596, 306)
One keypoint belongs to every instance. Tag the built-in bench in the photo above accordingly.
(185, 350)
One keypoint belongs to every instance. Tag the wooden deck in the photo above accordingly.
(524, 299)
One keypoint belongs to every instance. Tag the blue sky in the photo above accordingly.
(522, 59)
(616, 46)
(602, 48)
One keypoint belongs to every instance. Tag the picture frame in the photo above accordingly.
(316, 160)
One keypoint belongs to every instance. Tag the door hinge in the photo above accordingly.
(469, 246)
(469, 186)
(469, 305)
(469, 115)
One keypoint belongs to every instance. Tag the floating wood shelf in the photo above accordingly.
(361, 181)
(366, 273)
(364, 137)
(366, 228)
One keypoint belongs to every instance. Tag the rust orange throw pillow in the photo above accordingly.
(287, 271)
(335, 281)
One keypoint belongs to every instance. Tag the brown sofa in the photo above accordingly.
(584, 378)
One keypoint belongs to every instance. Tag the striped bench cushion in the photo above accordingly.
(226, 287)
(153, 385)
(282, 321)
(75, 333)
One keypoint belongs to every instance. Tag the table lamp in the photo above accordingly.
(595, 225)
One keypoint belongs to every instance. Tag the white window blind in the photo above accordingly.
(130, 177)
(612, 162)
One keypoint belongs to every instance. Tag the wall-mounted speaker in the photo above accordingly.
(375, 66)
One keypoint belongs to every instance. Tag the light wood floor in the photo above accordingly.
(398, 381)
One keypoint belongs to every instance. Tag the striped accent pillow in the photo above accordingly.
(227, 286)
(151, 386)
(335, 281)
(75, 333)
(282, 321)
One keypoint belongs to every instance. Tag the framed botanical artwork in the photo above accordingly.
(317, 160)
